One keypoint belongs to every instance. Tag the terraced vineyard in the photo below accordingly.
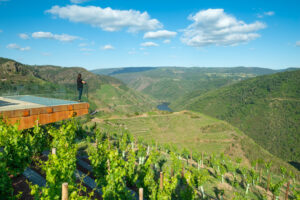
(102, 164)
(189, 131)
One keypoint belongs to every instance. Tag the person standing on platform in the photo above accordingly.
(80, 83)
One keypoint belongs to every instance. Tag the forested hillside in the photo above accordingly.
(172, 83)
(267, 108)
(17, 78)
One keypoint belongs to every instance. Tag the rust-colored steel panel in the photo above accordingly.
(28, 118)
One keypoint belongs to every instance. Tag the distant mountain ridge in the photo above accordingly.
(171, 83)
(114, 71)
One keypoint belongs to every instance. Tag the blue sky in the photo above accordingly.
(117, 33)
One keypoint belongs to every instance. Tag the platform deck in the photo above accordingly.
(28, 110)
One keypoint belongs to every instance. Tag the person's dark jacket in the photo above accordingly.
(79, 83)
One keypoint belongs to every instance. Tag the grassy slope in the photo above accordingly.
(120, 100)
(109, 94)
(57, 81)
(266, 108)
(195, 132)
(171, 83)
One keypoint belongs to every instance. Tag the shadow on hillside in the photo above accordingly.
(295, 164)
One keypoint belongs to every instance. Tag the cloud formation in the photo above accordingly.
(215, 27)
(108, 47)
(24, 36)
(49, 35)
(79, 1)
(166, 41)
(161, 34)
(298, 43)
(269, 13)
(149, 44)
(1, 31)
(17, 47)
(106, 18)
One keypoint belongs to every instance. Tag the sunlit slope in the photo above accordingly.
(266, 108)
(119, 99)
(194, 132)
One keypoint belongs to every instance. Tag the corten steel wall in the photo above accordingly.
(28, 118)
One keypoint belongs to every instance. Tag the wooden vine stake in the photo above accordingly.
(287, 191)
(182, 172)
(161, 186)
(64, 195)
(268, 184)
(260, 175)
(172, 172)
(53, 151)
(141, 194)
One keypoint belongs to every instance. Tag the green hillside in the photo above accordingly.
(104, 93)
(266, 108)
(171, 83)
(110, 95)
(187, 131)
(17, 78)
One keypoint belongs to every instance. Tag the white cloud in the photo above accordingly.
(298, 43)
(161, 34)
(17, 47)
(79, 1)
(149, 44)
(49, 35)
(215, 27)
(108, 47)
(24, 36)
(107, 18)
(269, 13)
(166, 41)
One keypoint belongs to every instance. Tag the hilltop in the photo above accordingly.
(105, 93)
(266, 108)
(172, 83)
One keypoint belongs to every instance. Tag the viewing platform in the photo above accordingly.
(28, 110)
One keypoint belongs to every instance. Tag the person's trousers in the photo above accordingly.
(79, 93)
